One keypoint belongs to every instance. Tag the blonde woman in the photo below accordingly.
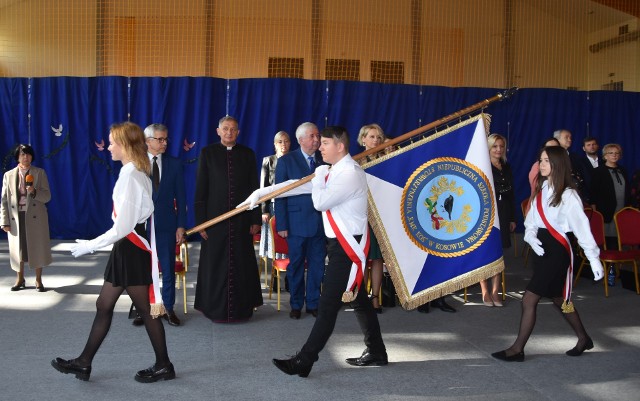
(129, 265)
(371, 136)
(505, 202)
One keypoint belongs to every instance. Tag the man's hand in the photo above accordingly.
(180, 235)
(283, 234)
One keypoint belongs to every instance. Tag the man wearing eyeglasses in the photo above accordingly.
(170, 213)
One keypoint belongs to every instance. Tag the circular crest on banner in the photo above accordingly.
(446, 207)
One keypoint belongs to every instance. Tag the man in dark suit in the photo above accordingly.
(170, 213)
(301, 224)
(590, 161)
(577, 168)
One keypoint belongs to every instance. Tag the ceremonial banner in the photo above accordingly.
(432, 209)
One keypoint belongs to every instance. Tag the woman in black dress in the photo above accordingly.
(129, 267)
(505, 200)
(555, 210)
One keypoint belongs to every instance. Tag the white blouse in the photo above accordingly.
(568, 216)
(132, 205)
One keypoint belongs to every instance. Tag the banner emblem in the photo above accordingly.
(446, 207)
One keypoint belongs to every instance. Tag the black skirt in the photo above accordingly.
(129, 265)
(550, 269)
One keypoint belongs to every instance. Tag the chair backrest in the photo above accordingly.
(279, 244)
(524, 206)
(596, 222)
(627, 222)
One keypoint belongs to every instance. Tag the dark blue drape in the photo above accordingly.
(82, 173)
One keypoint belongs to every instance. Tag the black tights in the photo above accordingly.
(528, 321)
(105, 304)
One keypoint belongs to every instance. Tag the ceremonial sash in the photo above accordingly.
(155, 297)
(561, 237)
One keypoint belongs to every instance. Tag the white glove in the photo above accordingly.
(320, 176)
(535, 244)
(252, 200)
(596, 268)
(81, 247)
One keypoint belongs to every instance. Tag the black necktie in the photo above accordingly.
(312, 163)
(155, 177)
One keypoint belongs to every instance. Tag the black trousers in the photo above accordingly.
(334, 284)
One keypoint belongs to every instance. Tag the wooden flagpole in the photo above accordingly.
(458, 114)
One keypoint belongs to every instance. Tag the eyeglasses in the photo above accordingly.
(613, 153)
(161, 140)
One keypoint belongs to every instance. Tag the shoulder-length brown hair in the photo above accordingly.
(560, 176)
(131, 138)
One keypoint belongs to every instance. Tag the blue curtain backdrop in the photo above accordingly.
(70, 118)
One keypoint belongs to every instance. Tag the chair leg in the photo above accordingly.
(278, 278)
(526, 256)
(184, 292)
(606, 284)
(575, 281)
(273, 272)
(635, 271)
(465, 295)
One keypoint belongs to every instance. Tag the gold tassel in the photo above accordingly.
(567, 307)
(349, 296)
(157, 310)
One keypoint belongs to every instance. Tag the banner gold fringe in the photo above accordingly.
(407, 300)
(157, 310)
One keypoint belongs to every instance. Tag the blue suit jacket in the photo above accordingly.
(166, 218)
(296, 214)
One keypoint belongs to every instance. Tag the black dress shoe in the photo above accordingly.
(575, 351)
(153, 374)
(294, 366)
(18, 286)
(137, 321)
(502, 355)
(313, 312)
(40, 288)
(368, 358)
(294, 314)
(445, 307)
(171, 317)
(69, 366)
(424, 308)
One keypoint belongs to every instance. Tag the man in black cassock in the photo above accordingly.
(228, 287)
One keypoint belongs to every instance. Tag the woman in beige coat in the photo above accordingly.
(23, 215)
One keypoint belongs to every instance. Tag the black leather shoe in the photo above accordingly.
(294, 366)
(502, 355)
(575, 351)
(445, 307)
(153, 374)
(294, 314)
(368, 358)
(69, 366)
(313, 312)
(171, 317)
(424, 308)
(137, 321)
(18, 286)
(40, 288)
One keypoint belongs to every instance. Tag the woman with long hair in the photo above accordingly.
(130, 263)
(555, 210)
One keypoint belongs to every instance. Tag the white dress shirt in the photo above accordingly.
(345, 194)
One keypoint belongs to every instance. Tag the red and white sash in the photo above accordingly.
(561, 237)
(357, 252)
(155, 297)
